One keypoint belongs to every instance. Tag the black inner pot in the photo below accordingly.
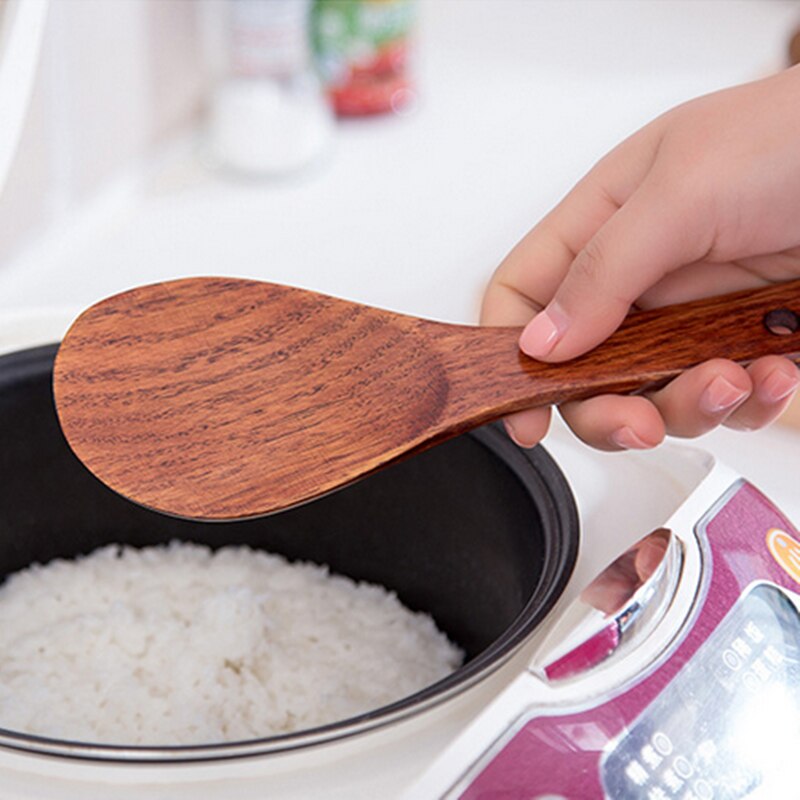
(476, 532)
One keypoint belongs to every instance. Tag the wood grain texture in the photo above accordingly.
(220, 398)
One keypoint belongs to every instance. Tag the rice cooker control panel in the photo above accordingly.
(719, 717)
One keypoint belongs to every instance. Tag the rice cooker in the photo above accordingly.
(675, 673)
(665, 667)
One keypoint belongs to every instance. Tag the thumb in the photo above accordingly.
(638, 245)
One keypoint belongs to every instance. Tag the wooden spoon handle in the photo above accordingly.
(648, 350)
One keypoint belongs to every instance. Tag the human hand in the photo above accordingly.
(704, 200)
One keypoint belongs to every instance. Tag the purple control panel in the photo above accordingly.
(684, 731)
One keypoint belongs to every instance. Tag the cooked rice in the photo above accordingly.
(182, 645)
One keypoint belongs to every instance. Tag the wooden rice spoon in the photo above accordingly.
(219, 398)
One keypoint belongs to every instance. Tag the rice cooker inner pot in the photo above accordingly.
(476, 532)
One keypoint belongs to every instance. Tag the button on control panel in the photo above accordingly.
(730, 720)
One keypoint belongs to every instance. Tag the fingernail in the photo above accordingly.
(542, 333)
(627, 439)
(720, 395)
(512, 433)
(777, 386)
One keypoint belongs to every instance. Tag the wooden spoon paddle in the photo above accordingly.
(218, 398)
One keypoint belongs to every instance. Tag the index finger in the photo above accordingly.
(528, 277)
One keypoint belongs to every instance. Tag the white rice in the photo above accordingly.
(179, 645)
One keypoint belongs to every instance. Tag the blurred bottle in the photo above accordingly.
(269, 114)
(362, 48)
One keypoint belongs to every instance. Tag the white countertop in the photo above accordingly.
(516, 101)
